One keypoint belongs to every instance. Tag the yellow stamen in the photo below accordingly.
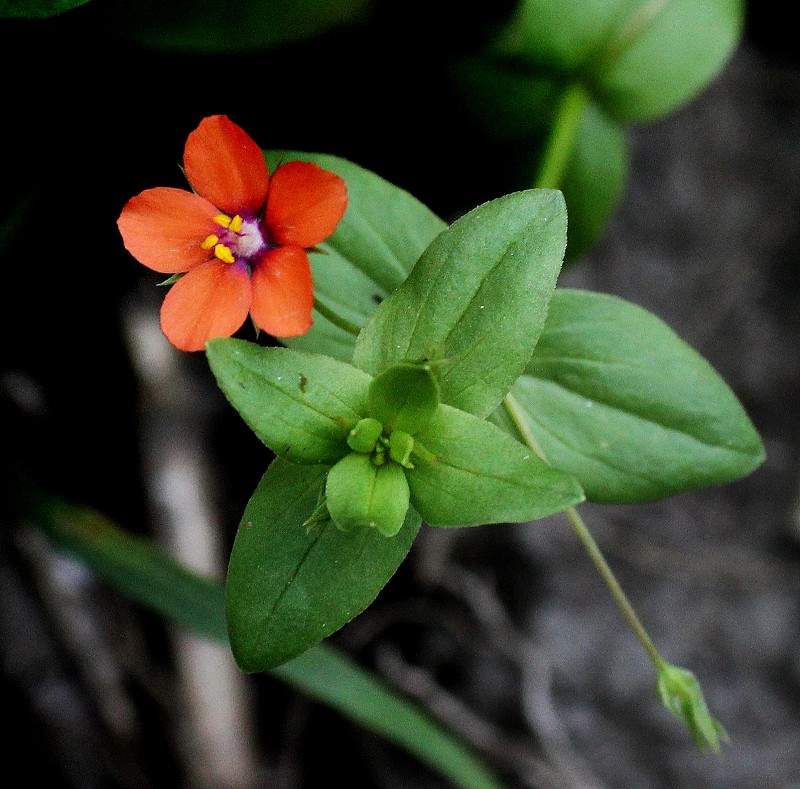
(222, 219)
(224, 254)
(210, 242)
(236, 224)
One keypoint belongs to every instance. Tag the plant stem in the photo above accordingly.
(517, 416)
(595, 554)
(561, 141)
(335, 318)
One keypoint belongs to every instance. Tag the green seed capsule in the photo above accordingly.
(360, 494)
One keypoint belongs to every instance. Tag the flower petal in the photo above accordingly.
(212, 300)
(225, 165)
(163, 229)
(283, 292)
(305, 204)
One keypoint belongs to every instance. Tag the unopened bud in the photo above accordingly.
(682, 695)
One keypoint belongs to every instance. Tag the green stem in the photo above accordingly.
(561, 141)
(517, 416)
(593, 549)
(335, 318)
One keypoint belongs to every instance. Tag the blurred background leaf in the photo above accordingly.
(151, 578)
(37, 9)
(640, 59)
(226, 27)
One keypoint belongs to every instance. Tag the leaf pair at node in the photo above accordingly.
(388, 440)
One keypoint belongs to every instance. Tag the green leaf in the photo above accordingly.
(468, 472)
(361, 495)
(404, 397)
(641, 59)
(290, 585)
(560, 37)
(594, 180)
(135, 566)
(301, 405)
(37, 9)
(335, 680)
(148, 576)
(382, 234)
(614, 397)
(665, 53)
(476, 300)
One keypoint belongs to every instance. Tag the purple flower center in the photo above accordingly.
(238, 240)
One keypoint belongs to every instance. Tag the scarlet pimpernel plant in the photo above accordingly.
(424, 374)
(446, 380)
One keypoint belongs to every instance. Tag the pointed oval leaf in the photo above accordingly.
(404, 397)
(301, 405)
(361, 495)
(476, 300)
(615, 398)
(468, 472)
(289, 584)
(381, 236)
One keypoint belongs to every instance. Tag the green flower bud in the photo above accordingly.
(400, 446)
(682, 696)
(364, 436)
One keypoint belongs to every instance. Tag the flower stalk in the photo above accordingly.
(678, 688)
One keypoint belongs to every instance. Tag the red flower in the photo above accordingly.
(240, 239)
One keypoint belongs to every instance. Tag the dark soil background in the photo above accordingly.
(506, 633)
